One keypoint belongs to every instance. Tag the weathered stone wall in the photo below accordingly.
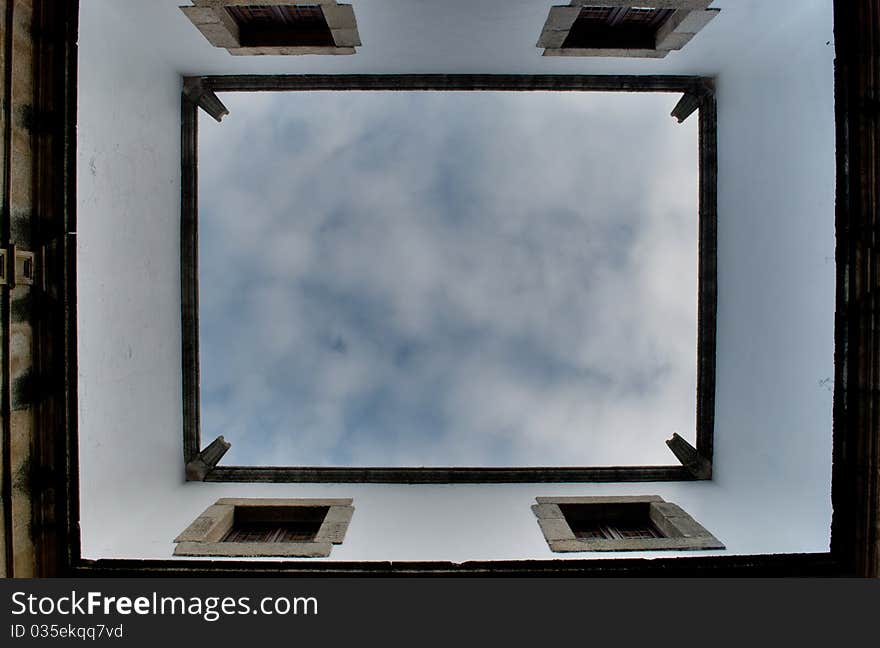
(18, 414)
(855, 536)
(37, 99)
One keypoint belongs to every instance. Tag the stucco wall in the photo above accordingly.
(771, 491)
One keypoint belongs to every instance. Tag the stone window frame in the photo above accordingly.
(689, 18)
(204, 536)
(220, 29)
(681, 531)
(694, 463)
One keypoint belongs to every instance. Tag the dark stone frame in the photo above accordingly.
(855, 546)
(699, 95)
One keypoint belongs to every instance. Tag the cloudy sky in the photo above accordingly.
(429, 278)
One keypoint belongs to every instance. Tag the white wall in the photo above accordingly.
(771, 492)
(128, 189)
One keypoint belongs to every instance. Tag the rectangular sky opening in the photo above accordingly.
(437, 278)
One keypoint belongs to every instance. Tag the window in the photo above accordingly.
(276, 27)
(267, 527)
(640, 523)
(265, 524)
(616, 27)
(355, 422)
(269, 26)
(609, 28)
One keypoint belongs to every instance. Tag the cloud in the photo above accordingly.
(448, 278)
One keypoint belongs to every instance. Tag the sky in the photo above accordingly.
(448, 278)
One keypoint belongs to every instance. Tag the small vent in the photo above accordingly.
(611, 522)
(596, 13)
(645, 15)
(268, 525)
(619, 531)
(282, 26)
(616, 27)
(277, 14)
(290, 532)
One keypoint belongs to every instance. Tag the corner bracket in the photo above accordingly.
(204, 98)
(207, 459)
(693, 461)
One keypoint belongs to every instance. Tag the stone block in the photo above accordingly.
(653, 4)
(270, 501)
(338, 514)
(289, 51)
(200, 15)
(669, 510)
(244, 3)
(339, 16)
(555, 529)
(687, 527)
(552, 39)
(229, 23)
(547, 511)
(644, 544)
(674, 41)
(217, 511)
(599, 499)
(218, 35)
(607, 53)
(694, 21)
(210, 526)
(196, 531)
(561, 18)
(254, 549)
(332, 532)
(566, 546)
(346, 37)
(671, 34)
